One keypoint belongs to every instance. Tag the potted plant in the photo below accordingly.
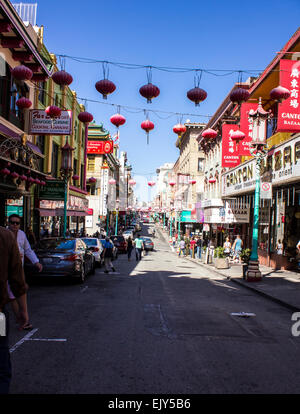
(221, 261)
(245, 256)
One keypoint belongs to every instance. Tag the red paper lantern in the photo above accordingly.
(237, 136)
(280, 93)
(30, 180)
(53, 111)
(23, 177)
(85, 117)
(151, 183)
(105, 87)
(212, 180)
(43, 182)
(179, 129)
(118, 120)
(149, 92)
(197, 95)
(14, 175)
(209, 133)
(23, 103)
(172, 183)
(37, 181)
(5, 171)
(112, 181)
(92, 180)
(132, 182)
(75, 177)
(192, 182)
(22, 73)
(239, 95)
(62, 78)
(147, 126)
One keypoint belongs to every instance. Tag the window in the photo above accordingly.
(200, 164)
(91, 164)
(17, 90)
(40, 142)
(54, 161)
(42, 92)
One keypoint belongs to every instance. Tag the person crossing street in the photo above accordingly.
(139, 246)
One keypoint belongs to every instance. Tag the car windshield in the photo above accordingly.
(56, 244)
(90, 242)
(117, 238)
(146, 239)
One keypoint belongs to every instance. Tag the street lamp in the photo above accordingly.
(258, 150)
(66, 172)
(117, 215)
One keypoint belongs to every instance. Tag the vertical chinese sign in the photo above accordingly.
(289, 110)
(230, 152)
(246, 126)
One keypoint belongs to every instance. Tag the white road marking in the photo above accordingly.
(26, 337)
(84, 289)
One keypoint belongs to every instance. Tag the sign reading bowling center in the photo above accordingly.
(289, 109)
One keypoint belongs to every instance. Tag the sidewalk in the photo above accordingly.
(281, 286)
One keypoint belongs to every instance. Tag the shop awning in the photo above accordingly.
(59, 212)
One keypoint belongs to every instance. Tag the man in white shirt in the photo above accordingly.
(14, 223)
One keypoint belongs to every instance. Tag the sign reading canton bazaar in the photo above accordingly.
(100, 147)
(230, 153)
(41, 124)
(289, 110)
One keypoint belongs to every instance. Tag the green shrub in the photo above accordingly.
(245, 255)
(219, 253)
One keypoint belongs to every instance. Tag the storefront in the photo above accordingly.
(279, 213)
(50, 210)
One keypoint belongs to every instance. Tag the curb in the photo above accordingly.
(239, 282)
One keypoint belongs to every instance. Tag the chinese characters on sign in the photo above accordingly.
(230, 152)
(246, 125)
(289, 110)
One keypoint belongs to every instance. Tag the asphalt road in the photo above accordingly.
(159, 326)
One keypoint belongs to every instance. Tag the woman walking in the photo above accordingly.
(129, 247)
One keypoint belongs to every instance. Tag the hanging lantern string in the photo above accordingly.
(128, 109)
(149, 74)
(62, 62)
(215, 72)
(198, 77)
(105, 68)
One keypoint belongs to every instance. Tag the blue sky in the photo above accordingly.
(229, 35)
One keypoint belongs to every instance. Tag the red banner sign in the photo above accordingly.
(230, 152)
(246, 126)
(289, 110)
(100, 147)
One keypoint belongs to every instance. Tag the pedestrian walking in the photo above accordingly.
(11, 271)
(227, 247)
(192, 247)
(181, 248)
(129, 247)
(237, 248)
(199, 247)
(108, 255)
(139, 246)
(279, 247)
(25, 249)
(187, 246)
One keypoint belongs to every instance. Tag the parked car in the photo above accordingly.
(115, 250)
(148, 243)
(120, 243)
(62, 257)
(132, 228)
(128, 233)
(95, 246)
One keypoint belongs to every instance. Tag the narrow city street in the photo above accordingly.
(161, 325)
